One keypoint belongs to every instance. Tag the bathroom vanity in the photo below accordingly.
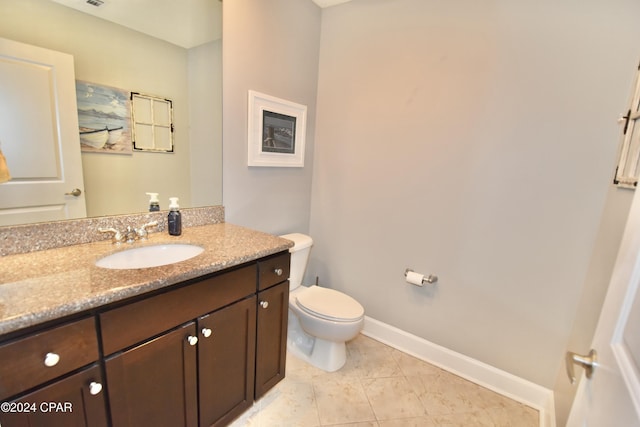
(186, 344)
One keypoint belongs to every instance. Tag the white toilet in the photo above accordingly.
(321, 320)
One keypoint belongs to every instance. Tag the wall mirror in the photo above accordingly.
(165, 48)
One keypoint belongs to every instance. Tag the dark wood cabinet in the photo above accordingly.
(47, 368)
(138, 321)
(155, 383)
(226, 356)
(196, 354)
(77, 400)
(271, 342)
(203, 370)
(46, 355)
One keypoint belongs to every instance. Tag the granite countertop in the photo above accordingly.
(41, 286)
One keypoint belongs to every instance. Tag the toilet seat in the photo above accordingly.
(329, 304)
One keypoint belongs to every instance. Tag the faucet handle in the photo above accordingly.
(142, 232)
(150, 224)
(117, 236)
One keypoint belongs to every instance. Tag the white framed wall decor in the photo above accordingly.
(152, 119)
(276, 132)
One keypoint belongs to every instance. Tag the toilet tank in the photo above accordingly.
(299, 257)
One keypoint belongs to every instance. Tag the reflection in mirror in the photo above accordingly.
(166, 65)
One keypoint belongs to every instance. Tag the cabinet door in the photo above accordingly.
(226, 357)
(71, 402)
(154, 384)
(45, 355)
(271, 344)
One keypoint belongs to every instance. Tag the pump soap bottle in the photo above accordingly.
(154, 203)
(174, 220)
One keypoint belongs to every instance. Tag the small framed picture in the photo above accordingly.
(277, 129)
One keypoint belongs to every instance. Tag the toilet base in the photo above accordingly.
(326, 355)
(323, 354)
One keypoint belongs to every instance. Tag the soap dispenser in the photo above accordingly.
(154, 203)
(174, 220)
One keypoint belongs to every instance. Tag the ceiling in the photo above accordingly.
(327, 3)
(183, 23)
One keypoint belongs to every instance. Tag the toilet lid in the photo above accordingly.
(329, 304)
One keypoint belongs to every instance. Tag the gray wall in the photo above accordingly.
(476, 141)
(270, 47)
(205, 123)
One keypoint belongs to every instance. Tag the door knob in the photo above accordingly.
(588, 362)
(264, 304)
(76, 192)
(206, 332)
(192, 340)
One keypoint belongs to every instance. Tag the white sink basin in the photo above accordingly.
(149, 256)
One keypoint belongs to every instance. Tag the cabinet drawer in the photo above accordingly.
(128, 325)
(273, 270)
(76, 399)
(23, 360)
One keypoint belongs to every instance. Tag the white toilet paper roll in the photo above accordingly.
(414, 278)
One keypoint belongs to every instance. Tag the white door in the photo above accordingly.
(612, 396)
(39, 135)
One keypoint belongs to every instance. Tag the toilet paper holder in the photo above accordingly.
(426, 279)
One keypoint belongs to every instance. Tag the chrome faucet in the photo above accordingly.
(142, 233)
(130, 235)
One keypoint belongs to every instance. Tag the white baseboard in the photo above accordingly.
(473, 370)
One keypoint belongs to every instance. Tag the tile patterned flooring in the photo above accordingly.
(380, 386)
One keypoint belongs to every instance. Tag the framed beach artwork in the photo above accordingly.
(277, 129)
(104, 117)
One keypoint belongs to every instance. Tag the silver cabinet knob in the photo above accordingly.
(192, 340)
(264, 304)
(206, 332)
(95, 388)
(278, 271)
(51, 359)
